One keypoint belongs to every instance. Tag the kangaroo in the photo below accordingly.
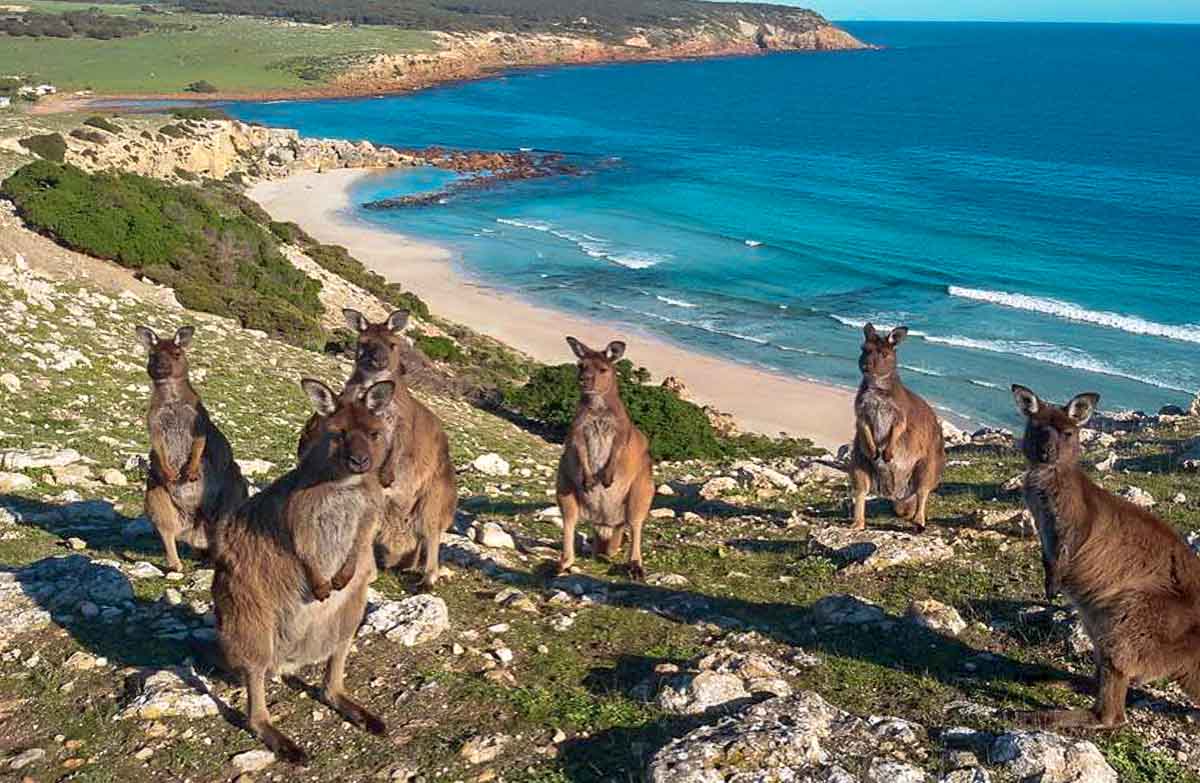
(898, 448)
(193, 480)
(605, 471)
(294, 562)
(1134, 581)
(420, 486)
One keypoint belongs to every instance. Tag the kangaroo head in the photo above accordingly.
(1052, 431)
(597, 370)
(168, 358)
(379, 345)
(353, 435)
(878, 357)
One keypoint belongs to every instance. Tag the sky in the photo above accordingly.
(1010, 10)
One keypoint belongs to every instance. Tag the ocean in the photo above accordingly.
(1024, 197)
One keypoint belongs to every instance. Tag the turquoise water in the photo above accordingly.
(1026, 198)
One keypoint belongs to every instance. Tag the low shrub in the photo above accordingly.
(103, 124)
(51, 146)
(200, 113)
(197, 241)
(95, 137)
(174, 131)
(439, 349)
(201, 86)
(676, 429)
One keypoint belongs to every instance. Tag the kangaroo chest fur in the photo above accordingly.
(1040, 488)
(175, 422)
(878, 409)
(599, 431)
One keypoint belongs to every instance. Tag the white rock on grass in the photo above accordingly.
(714, 488)
(114, 478)
(169, 693)
(936, 616)
(10, 383)
(491, 464)
(844, 609)
(409, 621)
(1050, 758)
(491, 534)
(45, 457)
(144, 570)
(254, 467)
(25, 758)
(14, 482)
(252, 760)
(696, 694)
(877, 550)
(481, 749)
(797, 738)
(1138, 497)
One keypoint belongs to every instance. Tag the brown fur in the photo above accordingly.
(293, 563)
(898, 449)
(420, 487)
(193, 481)
(1134, 581)
(605, 472)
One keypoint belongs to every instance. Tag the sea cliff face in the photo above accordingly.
(475, 54)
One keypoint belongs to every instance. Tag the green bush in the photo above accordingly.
(676, 429)
(200, 113)
(103, 124)
(197, 241)
(51, 146)
(439, 349)
(338, 260)
(175, 131)
(201, 87)
(94, 137)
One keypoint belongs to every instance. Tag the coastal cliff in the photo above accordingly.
(474, 54)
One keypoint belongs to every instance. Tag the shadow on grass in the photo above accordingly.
(96, 521)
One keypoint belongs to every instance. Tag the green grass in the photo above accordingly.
(235, 54)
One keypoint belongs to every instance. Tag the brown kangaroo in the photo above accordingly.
(193, 480)
(605, 471)
(420, 486)
(898, 446)
(294, 562)
(1134, 581)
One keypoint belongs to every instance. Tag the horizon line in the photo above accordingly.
(1173, 22)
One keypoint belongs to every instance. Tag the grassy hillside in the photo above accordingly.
(234, 54)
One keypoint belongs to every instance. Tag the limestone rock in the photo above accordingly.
(44, 457)
(252, 760)
(1138, 496)
(481, 749)
(409, 621)
(937, 617)
(14, 482)
(877, 550)
(1041, 757)
(254, 467)
(846, 609)
(169, 693)
(490, 464)
(714, 488)
(797, 738)
(491, 534)
(696, 694)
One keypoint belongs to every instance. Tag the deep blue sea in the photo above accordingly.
(1025, 197)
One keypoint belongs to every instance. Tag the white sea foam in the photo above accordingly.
(1072, 358)
(753, 243)
(884, 323)
(923, 371)
(1073, 312)
(592, 246)
(701, 325)
(675, 302)
(984, 384)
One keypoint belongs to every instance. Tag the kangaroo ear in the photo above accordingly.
(322, 398)
(183, 337)
(869, 331)
(616, 349)
(1027, 402)
(897, 336)
(579, 348)
(379, 395)
(355, 320)
(147, 337)
(1082, 406)
(397, 321)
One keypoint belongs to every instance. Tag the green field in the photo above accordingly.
(237, 54)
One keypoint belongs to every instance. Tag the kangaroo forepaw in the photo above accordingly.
(322, 590)
(358, 715)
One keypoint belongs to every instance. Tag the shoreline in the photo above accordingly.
(348, 88)
(320, 203)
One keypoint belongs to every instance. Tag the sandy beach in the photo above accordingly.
(760, 401)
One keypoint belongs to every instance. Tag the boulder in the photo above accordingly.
(168, 693)
(796, 738)
(409, 621)
(696, 694)
(14, 482)
(491, 534)
(877, 550)
(1041, 757)
(44, 457)
(490, 464)
(1138, 497)
(716, 487)
(936, 616)
(845, 609)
